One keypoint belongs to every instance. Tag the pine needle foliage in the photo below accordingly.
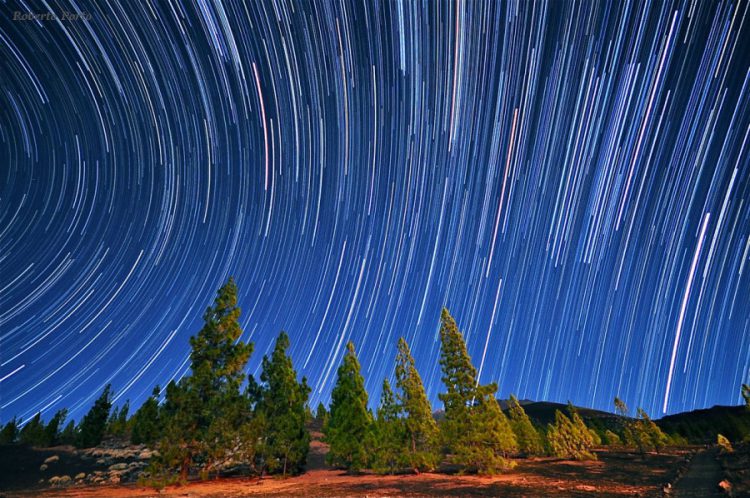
(282, 403)
(204, 413)
(388, 434)
(146, 422)
(94, 424)
(420, 450)
(475, 433)
(529, 441)
(350, 422)
(570, 438)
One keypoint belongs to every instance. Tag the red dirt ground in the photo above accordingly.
(614, 474)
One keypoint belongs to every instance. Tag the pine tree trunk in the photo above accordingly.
(184, 469)
(414, 452)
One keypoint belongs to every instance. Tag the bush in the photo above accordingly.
(724, 445)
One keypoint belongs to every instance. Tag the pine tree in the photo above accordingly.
(475, 432)
(117, 425)
(146, 422)
(321, 414)
(94, 424)
(746, 395)
(628, 427)
(421, 450)
(590, 437)
(611, 438)
(566, 440)
(180, 444)
(529, 440)
(52, 431)
(647, 435)
(388, 437)
(205, 411)
(282, 402)
(491, 436)
(349, 422)
(620, 407)
(9, 434)
(33, 432)
(69, 434)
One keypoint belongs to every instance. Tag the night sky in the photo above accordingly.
(572, 180)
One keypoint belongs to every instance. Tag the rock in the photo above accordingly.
(52, 459)
(145, 455)
(80, 476)
(43, 467)
(726, 487)
(118, 466)
(59, 480)
(101, 461)
(115, 479)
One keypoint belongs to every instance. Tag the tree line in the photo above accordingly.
(217, 418)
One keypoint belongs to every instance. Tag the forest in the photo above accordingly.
(217, 418)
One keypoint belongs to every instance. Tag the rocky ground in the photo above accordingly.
(736, 470)
(24, 468)
(113, 472)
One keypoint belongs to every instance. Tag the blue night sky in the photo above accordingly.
(572, 180)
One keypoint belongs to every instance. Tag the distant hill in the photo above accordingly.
(702, 426)
(543, 412)
(697, 426)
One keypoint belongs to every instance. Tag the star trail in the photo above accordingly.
(570, 179)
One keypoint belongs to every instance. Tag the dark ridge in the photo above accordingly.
(702, 426)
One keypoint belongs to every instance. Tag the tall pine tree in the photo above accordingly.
(33, 432)
(146, 422)
(281, 402)
(9, 433)
(475, 433)
(94, 424)
(420, 452)
(205, 411)
(387, 434)
(349, 422)
(52, 431)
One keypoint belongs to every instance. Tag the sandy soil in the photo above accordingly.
(614, 474)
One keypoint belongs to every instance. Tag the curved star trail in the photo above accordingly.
(570, 179)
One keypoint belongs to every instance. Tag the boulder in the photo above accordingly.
(80, 476)
(59, 480)
(118, 466)
(52, 459)
(43, 467)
